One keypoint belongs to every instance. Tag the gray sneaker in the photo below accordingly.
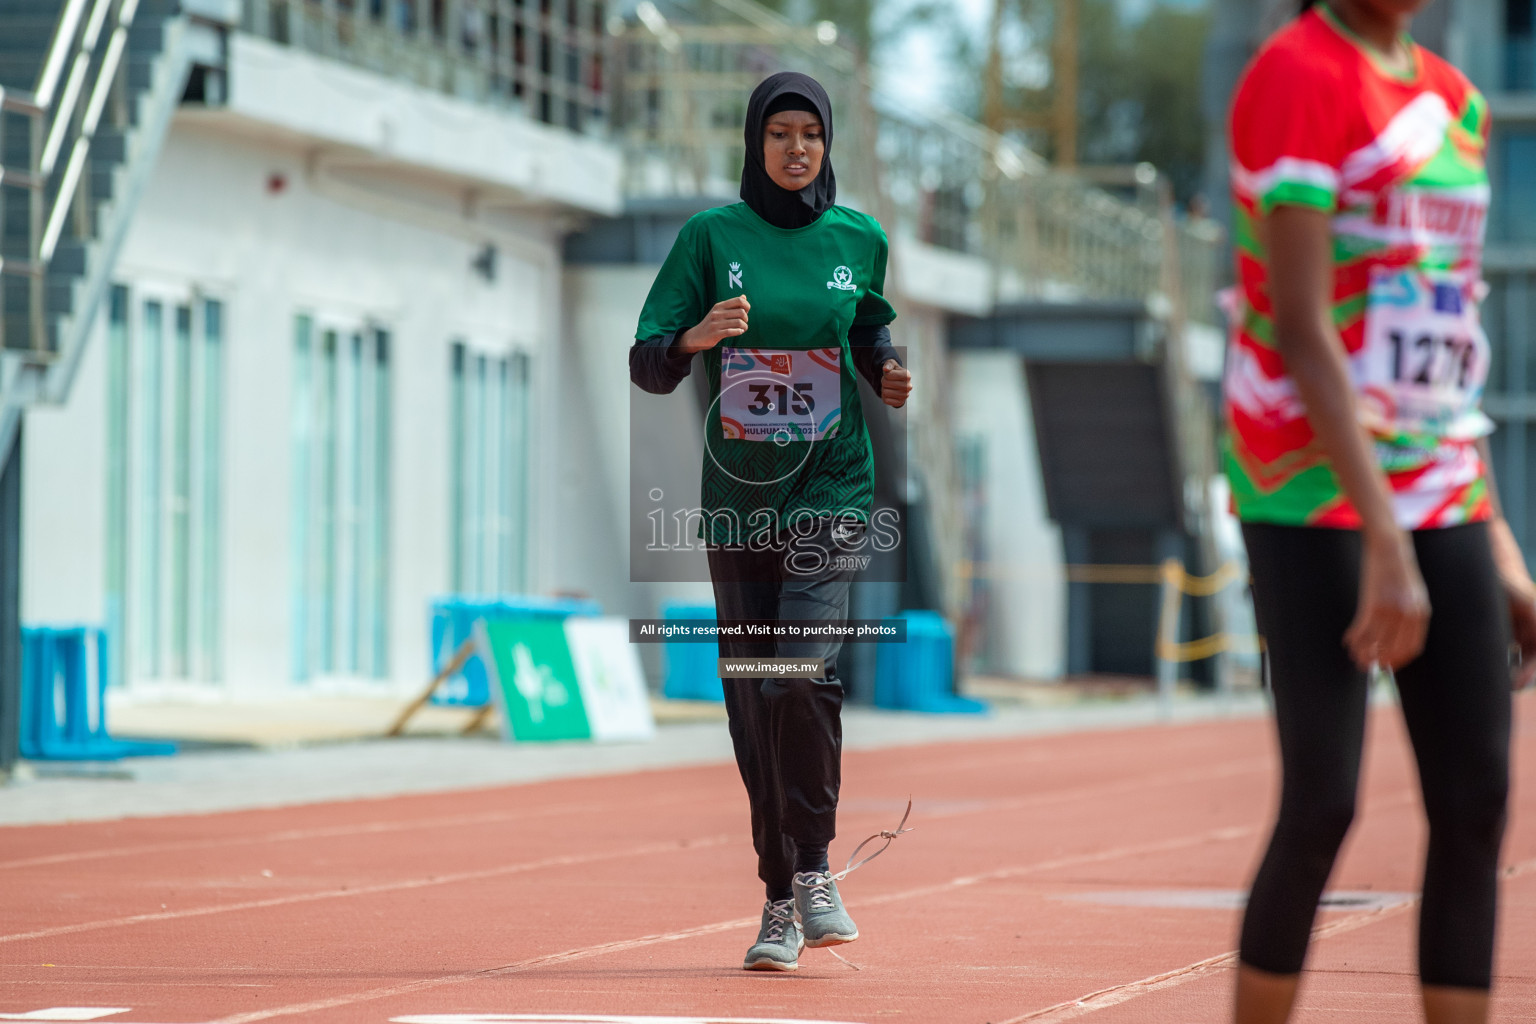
(821, 912)
(779, 940)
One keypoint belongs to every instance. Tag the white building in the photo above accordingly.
(323, 389)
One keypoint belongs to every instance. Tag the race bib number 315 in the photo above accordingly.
(780, 395)
(1425, 358)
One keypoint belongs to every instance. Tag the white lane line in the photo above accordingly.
(71, 1013)
(1185, 777)
(1117, 994)
(406, 988)
(1231, 768)
(1217, 835)
(589, 1018)
(1179, 778)
(447, 878)
(1225, 899)
(324, 832)
(1105, 998)
(586, 952)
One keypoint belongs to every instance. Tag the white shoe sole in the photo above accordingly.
(767, 964)
(831, 939)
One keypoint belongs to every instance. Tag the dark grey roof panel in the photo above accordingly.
(643, 234)
(1081, 332)
(1104, 444)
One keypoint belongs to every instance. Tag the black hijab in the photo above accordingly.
(782, 207)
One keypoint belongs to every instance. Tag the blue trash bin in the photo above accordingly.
(64, 702)
(919, 675)
(692, 671)
(453, 621)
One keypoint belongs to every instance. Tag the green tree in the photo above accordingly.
(855, 19)
(1166, 61)
(1138, 84)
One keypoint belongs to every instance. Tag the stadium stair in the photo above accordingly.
(89, 88)
(87, 92)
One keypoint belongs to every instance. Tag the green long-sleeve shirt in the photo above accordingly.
(774, 447)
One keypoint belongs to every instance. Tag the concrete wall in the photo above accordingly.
(63, 494)
(1025, 625)
(599, 452)
(348, 107)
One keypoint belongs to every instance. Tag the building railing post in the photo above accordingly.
(37, 288)
(1172, 574)
(10, 608)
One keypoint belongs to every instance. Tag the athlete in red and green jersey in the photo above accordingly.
(1396, 161)
(1370, 519)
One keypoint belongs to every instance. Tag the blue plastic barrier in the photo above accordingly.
(63, 703)
(919, 675)
(692, 668)
(453, 622)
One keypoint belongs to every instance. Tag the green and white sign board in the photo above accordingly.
(571, 679)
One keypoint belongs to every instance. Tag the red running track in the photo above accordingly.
(1071, 877)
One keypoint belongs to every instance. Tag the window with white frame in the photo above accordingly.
(340, 452)
(489, 470)
(164, 426)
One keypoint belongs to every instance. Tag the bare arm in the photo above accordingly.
(1393, 613)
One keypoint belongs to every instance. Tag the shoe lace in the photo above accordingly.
(889, 835)
(781, 914)
(819, 891)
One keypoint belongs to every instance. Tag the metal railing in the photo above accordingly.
(83, 65)
(680, 91)
(672, 89)
(545, 58)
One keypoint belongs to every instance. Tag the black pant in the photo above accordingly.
(788, 733)
(1456, 702)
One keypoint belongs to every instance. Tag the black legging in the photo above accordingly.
(1456, 702)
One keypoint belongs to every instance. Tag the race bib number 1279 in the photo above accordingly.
(780, 395)
(1425, 357)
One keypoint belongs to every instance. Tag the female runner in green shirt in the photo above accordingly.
(788, 476)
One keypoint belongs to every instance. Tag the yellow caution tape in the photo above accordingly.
(1210, 646)
(1201, 586)
(1171, 573)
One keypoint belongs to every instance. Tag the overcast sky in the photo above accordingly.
(914, 71)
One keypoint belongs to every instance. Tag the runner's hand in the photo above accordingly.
(726, 320)
(895, 384)
(1393, 614)
(1521, 593)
